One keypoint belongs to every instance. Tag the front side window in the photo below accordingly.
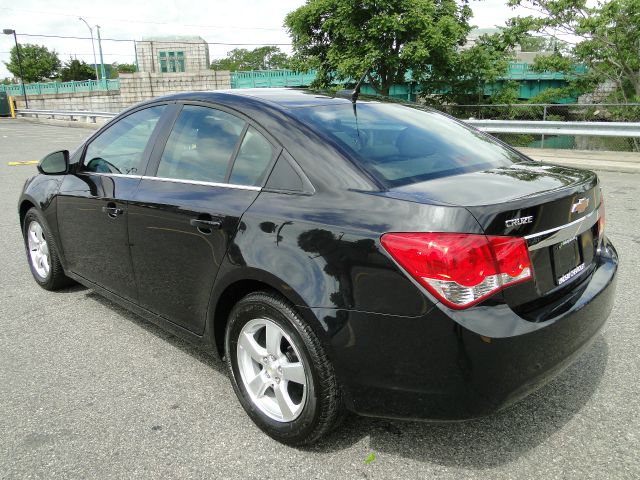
(201, 145)
(120, 148)
(253, 158)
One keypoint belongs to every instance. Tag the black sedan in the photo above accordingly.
(370, 257)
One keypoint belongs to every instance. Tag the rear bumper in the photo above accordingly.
(445, 366)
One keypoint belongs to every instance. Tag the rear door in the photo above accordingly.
(187, 208)
(93, 202)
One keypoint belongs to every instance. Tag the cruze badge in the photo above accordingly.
(580, 205)
(514, 222)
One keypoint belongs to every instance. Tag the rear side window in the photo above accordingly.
(253, 159)
(401, 145)
(120, 148)
(201, 145)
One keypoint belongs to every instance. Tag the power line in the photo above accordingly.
(147, 21)
(85, 54)
(152, 41)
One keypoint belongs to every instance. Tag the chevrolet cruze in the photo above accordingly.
(371, 257)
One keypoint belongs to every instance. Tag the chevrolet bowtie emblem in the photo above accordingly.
(580, 205)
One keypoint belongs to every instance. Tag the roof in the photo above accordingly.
(290, 97)
(281, 98)
(173, 38)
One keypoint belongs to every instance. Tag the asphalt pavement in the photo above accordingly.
(89, 390)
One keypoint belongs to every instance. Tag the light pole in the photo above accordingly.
(100, 49)
(95, 62)
(8, 31)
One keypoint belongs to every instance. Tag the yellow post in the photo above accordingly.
(12, 107)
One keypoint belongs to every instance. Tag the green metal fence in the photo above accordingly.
(271, 78)
(530, 82)
(61, 87)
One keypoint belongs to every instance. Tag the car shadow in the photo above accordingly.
(490, 441)
(477, 444)
(208, 358)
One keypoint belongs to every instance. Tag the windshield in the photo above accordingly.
(401, 145)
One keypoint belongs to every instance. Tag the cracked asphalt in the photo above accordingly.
(89, 390)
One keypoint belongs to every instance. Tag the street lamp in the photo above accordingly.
(8, 31)
(95, 62)
(100, 49)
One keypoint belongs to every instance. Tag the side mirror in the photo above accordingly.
(56, 163)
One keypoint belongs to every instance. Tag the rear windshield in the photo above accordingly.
(401, 145)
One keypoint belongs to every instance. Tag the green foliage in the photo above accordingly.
(343, 39)
(609, 42)
(76, 70)
(118, 68)
(38, 63)
(530, 43)
(261, 58)
(464, 78)
(370, 458)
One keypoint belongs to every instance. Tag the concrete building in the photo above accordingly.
(172, 54)
(518, 55)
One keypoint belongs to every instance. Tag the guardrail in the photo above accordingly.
(520, 127)
(535, 127)
(71, 114)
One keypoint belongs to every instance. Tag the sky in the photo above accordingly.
(257, 22)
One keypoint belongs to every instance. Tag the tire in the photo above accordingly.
(42, 252)
(311, 409)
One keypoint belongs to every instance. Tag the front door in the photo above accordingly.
(186, 213)
(93, 202)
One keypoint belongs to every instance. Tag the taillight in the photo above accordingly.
(460, 269)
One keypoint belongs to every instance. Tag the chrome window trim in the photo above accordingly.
(563, 232)
(101, 174)
(208, 184)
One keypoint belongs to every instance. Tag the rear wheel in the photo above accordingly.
(42, 252)
(280, 371)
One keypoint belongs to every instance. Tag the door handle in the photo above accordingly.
(112, 211)
(205, 226)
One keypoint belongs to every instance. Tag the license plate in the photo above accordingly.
(567, 260)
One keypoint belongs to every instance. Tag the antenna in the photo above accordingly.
(356, 91)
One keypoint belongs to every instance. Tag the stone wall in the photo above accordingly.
(134, 88)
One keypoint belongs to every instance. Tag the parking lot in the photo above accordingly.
(89, 390)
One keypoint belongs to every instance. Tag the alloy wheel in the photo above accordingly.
(38, 250)
(272, 370)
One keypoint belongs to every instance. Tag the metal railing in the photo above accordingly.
(519, 133)
(70, 114)
(44, 88)
(588, 129)
(600, 115)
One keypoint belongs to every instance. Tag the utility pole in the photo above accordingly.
(93, 47)
(8, 31)
(100, 49)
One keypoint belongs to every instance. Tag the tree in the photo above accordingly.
(465, 78)
(76, 70)
(261, 58)
(38, 63)
(608, 33)
(343, 39)
(117, 68)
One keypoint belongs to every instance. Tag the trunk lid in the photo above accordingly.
(555, 208)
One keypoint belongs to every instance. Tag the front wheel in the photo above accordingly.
(280, 371)
(42, 252)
